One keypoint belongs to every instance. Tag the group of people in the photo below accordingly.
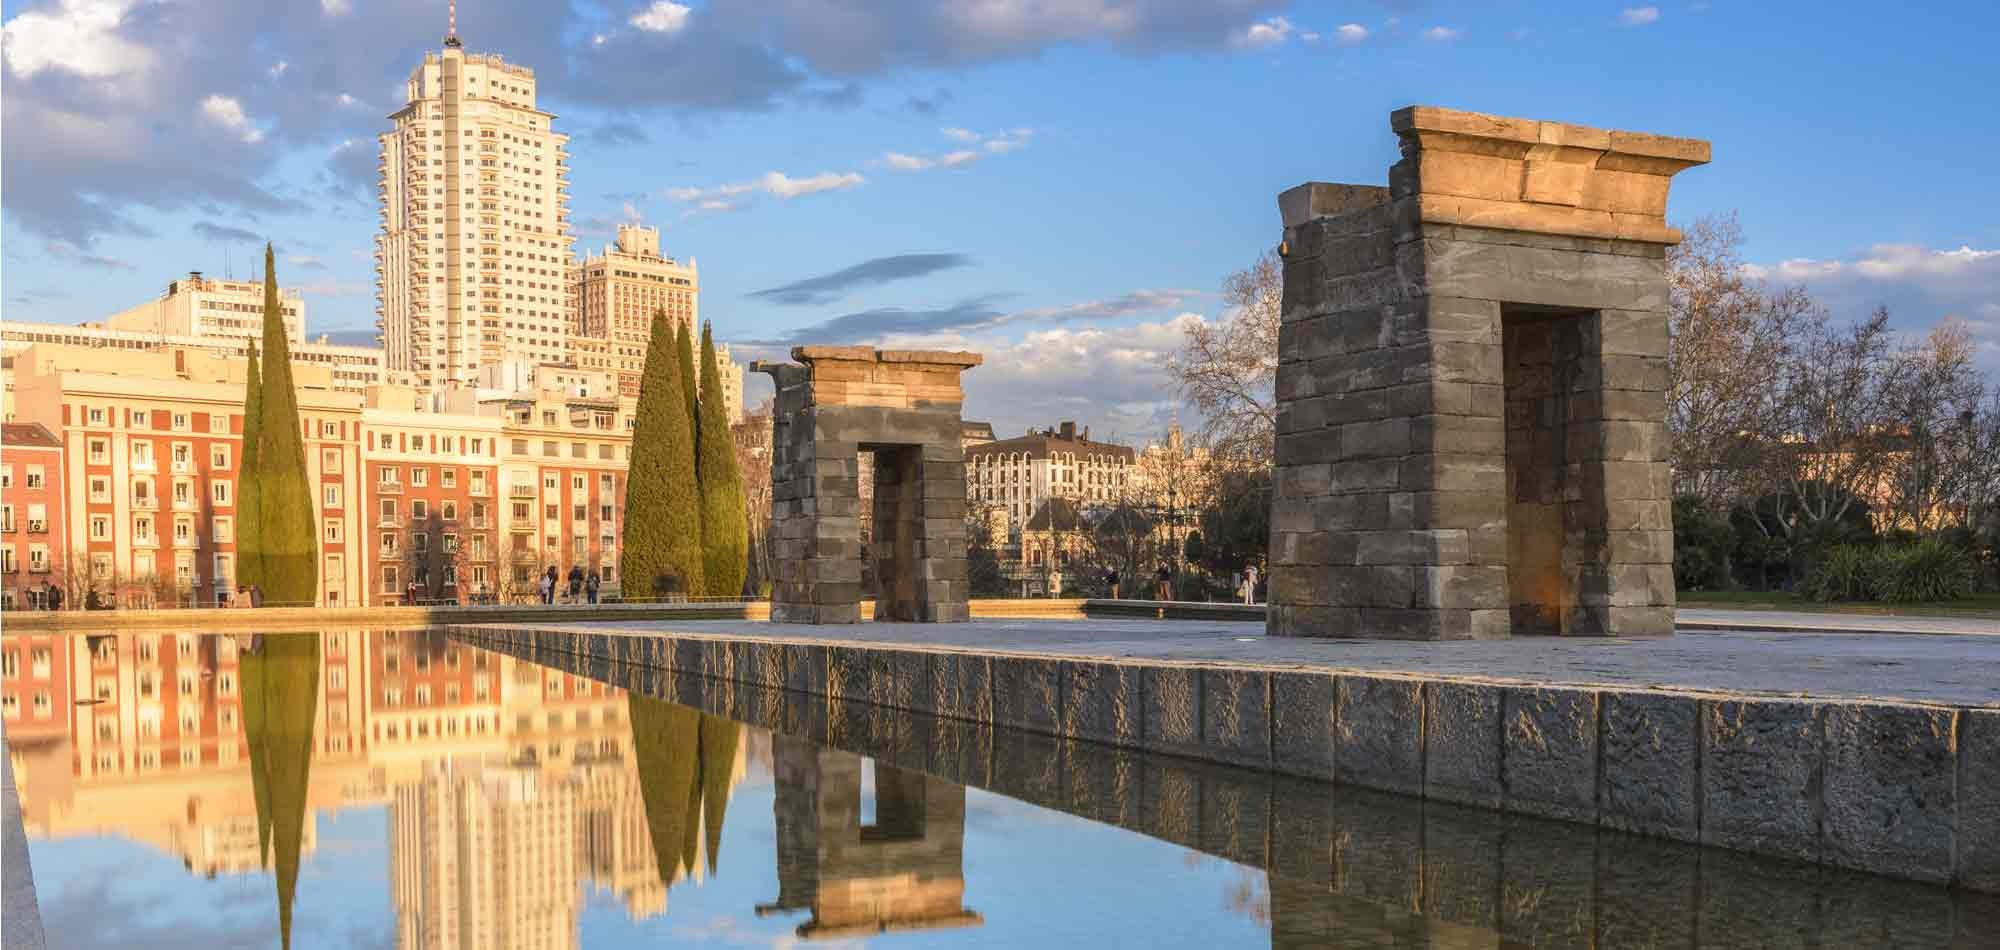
(1163, 583)
(579, 588)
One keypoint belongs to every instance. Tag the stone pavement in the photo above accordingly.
(1699, 618)
(1960, 668)
(21, 927)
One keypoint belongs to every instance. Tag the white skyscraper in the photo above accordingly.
(472, 258)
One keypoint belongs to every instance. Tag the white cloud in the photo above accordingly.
(227, 113)
(778, 183)
(906, 163)
(1919, 285)
(336, 7)
(960, 135)
(80, 37)
(664, 16)
(1442, 34)
(1640, 16)
(1270, 32)
(1351, 34)
(997, 143)
(305, 260)
(1892, 261)
(1309, 36)
(278, 69)
(959, 159)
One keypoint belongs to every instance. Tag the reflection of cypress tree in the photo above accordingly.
(665, 739)
(685, 759)
(718, 758)
(280, 680)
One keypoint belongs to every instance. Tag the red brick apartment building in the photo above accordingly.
(31, 514)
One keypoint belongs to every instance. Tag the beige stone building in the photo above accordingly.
(349, 368)
(1021, 474)
(198, 306)
(473, 256)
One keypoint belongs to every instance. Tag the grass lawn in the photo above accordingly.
(1978, 605)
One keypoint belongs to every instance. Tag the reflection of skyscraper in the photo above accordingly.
(484, 856)
(904, 871)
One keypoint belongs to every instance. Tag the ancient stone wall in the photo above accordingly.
(904, 407)
(1471, 387)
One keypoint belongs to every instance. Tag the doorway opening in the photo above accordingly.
(895, 541)
(1545, 384)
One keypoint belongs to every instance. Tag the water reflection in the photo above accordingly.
(514, 795)
(904, 870)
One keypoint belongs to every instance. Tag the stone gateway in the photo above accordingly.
(1471, 434)
(904, 406)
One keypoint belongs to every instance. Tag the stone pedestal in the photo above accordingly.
(1471, 435)
(904, 406)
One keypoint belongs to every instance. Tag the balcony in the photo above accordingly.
(388, 488)
(183, 504)
(478, 523)
(147, 503)
(521, 491)
(187, 541)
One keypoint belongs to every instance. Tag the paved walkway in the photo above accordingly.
(1698, 618)
(1956, 668)
(21, 927)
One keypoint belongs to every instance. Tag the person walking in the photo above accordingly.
(54, 599)
(1111, 581)
(576, 583)
(591, 584)
(1164, 589)
(1250, 584)
(548, 586)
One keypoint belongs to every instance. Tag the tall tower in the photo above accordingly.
(472, 259)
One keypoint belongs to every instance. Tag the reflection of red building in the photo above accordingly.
(36, 695)
(31, 537)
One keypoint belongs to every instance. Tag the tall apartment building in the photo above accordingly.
(473, 256)
(31, 511)
(614, 297)
(197, 306)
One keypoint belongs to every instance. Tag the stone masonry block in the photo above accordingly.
(1236, 716)
(1027, 694)
(1761, 773)
(1651, 754)
(1462, 743)
(1890, 789)
(1101, 702)
(962, 686)
(1302, 724)
(1170, 697)
(1378, 737)
(1979, 802)
(1549, 752)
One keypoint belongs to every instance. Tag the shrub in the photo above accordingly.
(1928, 570)
(1844, 572)
(1702, 540)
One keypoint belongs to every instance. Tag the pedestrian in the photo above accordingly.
(1055, 583)
(548, 586)
(576, 583)
(590, 585)
(1165, 588)
(55, 597)
(1111, 581)
(410, 594)
(1249, 585)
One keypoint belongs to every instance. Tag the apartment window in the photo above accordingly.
(389, 475)
(140, 420)
(479, 483)
(100, 451)
(419, 509)
(333, 531)
(386, 441)
(217, 422)
(449, 510)
(550, 512)
(389, 579)
(551, 450)
(328, 429)
(520, 511)
(604, 451)
(219, 491)
(34, 476)
(329, 461)
(576, 483)
(183, 493)
(223, 527)
(97, 417)
(183, 531)
(520, 446)
(181, 423)
(549, 482)
(604, 512)
(579, 512)
(388, 509)
(420, 543)
(578, 450)
(420, 476)
(448, 477)
(142, 529)
(331, 495)
(142, 455)
(389, 545)
(478, 446)
(579, 546)
(100, 528)
(219, 457)
(606, 485)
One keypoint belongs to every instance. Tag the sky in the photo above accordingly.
(1062, 186)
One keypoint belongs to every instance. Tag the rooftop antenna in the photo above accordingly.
(451, 25)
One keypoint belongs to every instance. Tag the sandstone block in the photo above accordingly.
(1979, 801)
(1378, 736)
(1761, 770)
(1302, 724)
(1236, 716)
(1027, 694)
(1650, 757)
(1101, 702)
(1462, 743)
(1549, 760)
(1890, 789)
(1171, 700)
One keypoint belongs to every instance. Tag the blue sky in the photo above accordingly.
(1078, 176)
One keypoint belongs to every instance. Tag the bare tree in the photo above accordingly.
(1728, 342)
(1935, 394)
(1828, 449)
(1229, 368)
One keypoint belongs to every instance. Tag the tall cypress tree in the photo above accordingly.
(690, 379)
(249, 510)
(286, 541)
(662, 514)
(725, 535)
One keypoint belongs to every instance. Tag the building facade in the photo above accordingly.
(472, 261)
(198, 306)
(31, 513)
(1019, 475)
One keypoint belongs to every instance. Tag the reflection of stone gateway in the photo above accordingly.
(904, 406)
(906, 871)
(1471, 381)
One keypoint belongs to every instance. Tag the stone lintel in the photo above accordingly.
(869, 354)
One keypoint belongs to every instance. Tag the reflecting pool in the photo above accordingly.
(404, 789)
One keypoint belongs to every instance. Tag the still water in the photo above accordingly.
(401, 789)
